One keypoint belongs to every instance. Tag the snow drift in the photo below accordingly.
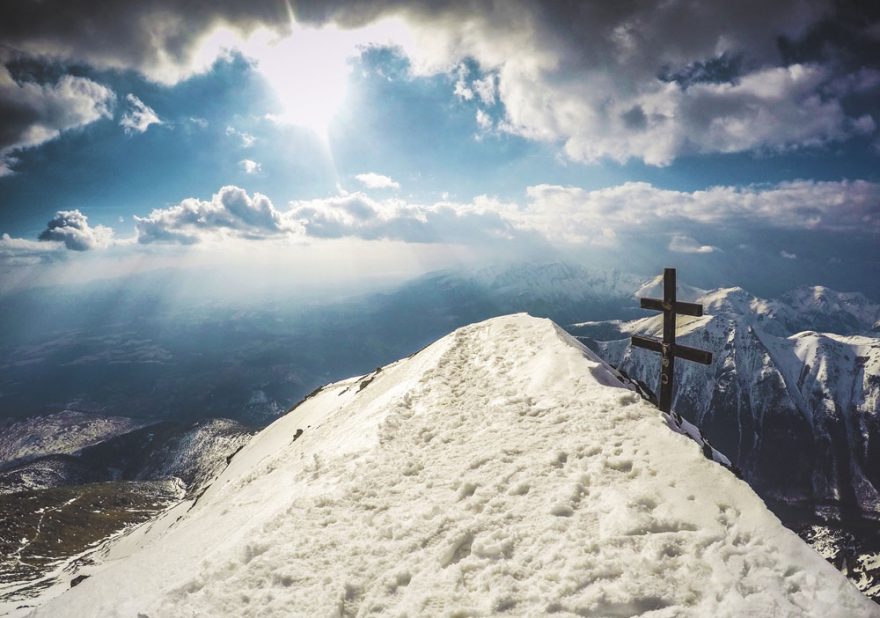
(502, 469)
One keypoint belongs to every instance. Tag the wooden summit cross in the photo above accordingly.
(669, 350)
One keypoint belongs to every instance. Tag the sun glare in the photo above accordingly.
(309, 69)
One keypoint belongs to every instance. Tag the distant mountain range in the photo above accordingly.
(65, 449)
(797, 410)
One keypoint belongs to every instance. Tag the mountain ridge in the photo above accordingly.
(504, 457)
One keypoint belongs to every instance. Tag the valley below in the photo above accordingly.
(49, 532)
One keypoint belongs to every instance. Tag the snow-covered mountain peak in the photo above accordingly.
(550, 280)
(503, 468)
(819, 295)
(821, 308)
(779, 377)
(653, 288)
(728, 300)
(815, 308)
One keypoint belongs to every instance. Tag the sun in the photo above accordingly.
(308, 71)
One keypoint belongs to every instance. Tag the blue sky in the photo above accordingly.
(741, 144)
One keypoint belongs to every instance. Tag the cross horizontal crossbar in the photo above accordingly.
(679, 307)
(676, 349)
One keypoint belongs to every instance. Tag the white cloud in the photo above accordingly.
(787, 255)
(572, 213)
(34, 113)
(356, 215)
(484, 120)
(231, 212)
(461, 89)
(550, 213)
(377, 181)
(486, 89)
(247, 140)
(682, 243)
(138, 117)
(637, 80)
(864, 124)
(250, 167)
(71, 227)
(775, 108)
(23, 252)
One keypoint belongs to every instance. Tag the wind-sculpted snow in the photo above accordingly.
(503, 469)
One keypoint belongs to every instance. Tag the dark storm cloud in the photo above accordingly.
(644, 79)
(158, 38)
(31, 113)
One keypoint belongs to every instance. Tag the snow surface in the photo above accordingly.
(502, 469)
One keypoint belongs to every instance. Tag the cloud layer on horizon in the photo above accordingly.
(230, 212)
(835, 206)
(557, 215)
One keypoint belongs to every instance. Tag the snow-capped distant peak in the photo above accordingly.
(850, 309)
(653, 288)
(732, 300)
(551, 280)
(502, 469)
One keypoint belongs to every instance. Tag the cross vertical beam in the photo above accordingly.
(667, 347)
(667, 358)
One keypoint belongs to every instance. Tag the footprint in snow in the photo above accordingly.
(621, 465)
(558, 459)
(520, 489)
(467, 490)
(561, 509)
